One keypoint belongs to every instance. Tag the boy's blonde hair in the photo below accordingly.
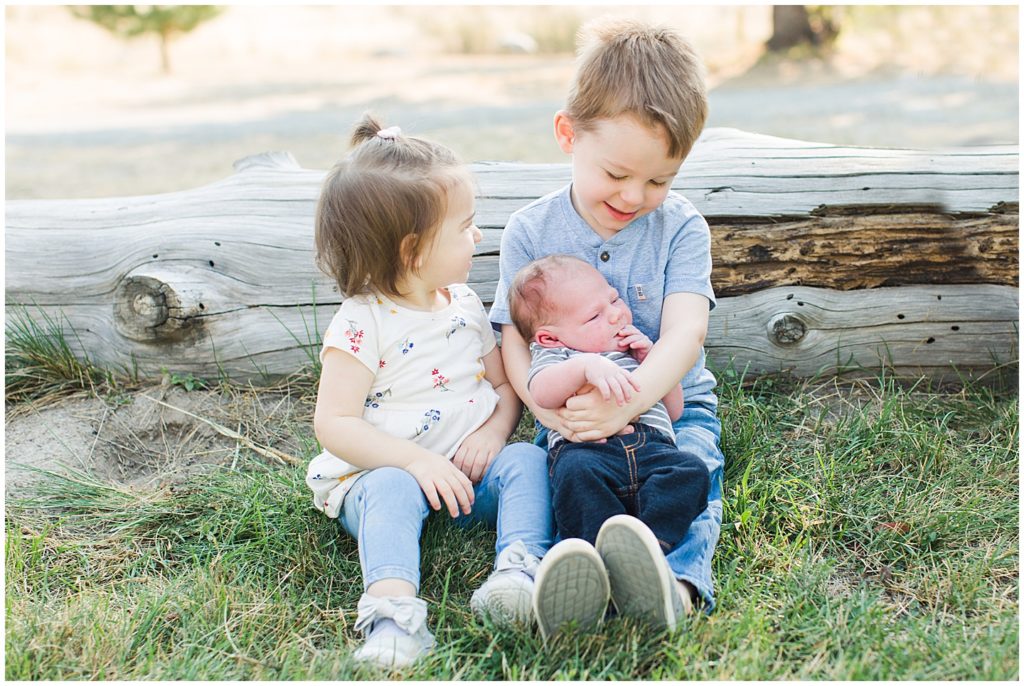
(388, 188)
(530, 304)
(653, 73)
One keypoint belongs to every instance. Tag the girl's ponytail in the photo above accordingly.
(366, 129)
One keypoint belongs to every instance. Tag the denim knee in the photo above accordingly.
(390, 483)
(520, 459)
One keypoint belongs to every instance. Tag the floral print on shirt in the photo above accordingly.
(430, 419)
(354, 335)
(440, 380)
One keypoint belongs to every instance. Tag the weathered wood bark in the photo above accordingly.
(221, 279)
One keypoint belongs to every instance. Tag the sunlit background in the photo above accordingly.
(92, 114)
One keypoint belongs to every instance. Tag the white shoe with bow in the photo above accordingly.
(396, 631)
(507, 595)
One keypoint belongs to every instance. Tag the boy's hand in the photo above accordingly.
(477, 452)
(634, 340)
(441, 480)
(609, 378)
(589, 417)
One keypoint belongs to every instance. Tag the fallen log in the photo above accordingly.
(894, 258)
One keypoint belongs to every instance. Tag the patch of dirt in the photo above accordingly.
(150, 437)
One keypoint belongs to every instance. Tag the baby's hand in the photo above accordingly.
(477, 452)
(609, 378)
(634, 340)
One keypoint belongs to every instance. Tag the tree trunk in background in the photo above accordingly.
(791, 25)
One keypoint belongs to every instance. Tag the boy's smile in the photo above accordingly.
(621, 170)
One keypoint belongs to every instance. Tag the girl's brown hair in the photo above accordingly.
(649, 72)
(379, 207)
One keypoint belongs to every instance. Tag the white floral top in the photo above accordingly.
(428, 385)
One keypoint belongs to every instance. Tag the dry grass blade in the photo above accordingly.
(266, 451)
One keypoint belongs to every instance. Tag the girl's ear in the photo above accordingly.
(546, 339)
(410, 257)
(565, 132)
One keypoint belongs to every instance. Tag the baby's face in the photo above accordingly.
(591, 312)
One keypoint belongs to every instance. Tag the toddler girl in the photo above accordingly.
(414, 407)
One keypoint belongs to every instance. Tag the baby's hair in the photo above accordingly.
(530, 303)
(650, 72)
(388, 188)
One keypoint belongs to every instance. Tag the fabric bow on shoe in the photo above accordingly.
(408, 613)
(515, 556)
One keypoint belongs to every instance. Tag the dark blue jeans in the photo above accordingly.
(642, 474)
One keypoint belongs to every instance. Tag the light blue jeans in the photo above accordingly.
(698, 431)
(386, 508)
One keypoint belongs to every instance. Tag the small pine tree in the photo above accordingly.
(166, 21)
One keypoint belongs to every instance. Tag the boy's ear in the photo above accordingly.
(565, 131)
(547, 339)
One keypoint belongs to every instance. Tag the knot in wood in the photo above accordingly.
(148, 308)
(786, 329)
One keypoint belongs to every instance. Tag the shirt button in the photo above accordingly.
(605, 256)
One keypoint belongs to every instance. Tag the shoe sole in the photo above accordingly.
(571, 586)
(641, 583)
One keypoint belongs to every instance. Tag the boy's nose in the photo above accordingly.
(632, 195)
(478, 235)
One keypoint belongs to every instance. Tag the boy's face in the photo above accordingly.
(620, 170)
(591, 313)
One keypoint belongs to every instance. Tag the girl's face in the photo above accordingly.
(449, 256)
(620, 170)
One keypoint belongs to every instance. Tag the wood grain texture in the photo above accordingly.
(224, 274)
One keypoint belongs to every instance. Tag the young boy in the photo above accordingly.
(581, 335)
(634, 111)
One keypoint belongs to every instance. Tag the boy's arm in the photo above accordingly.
(515, 353)
(684, 325)
(340, 428)
(479, 448)
(674, 402)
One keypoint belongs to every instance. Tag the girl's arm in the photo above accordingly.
(478, 449)
(684, 325)
(341, 430)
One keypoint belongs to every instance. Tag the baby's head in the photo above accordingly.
(650, 73)
(382, 206)
(561, 301)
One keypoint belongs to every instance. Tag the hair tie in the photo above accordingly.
(391, 132)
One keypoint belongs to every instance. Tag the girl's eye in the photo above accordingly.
(614, 177)
(658, 184)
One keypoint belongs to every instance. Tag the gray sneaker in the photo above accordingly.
(572, 586)
(507, 595)
(396, 631)
(642, 584)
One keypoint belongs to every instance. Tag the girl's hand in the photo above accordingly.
(609, 378)
(634, 340)
(477, 452)
(441, 480)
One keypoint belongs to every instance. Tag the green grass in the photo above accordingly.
(39, 361)
(870, 532)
